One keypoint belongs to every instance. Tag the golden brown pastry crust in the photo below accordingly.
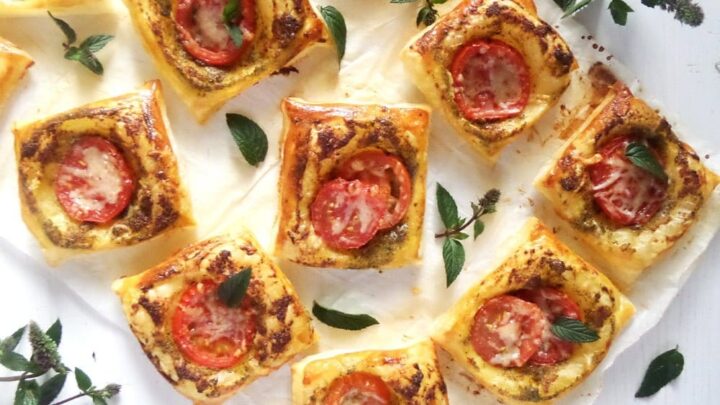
(429, 55)
(14, 62)
(284, 327)
(626, 251)
(538, 259)
(318, 137)
(136, 124)
(20, 7)
(412, 373)
(286, 29)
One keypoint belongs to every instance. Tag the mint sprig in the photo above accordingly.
(336, 23)
(573, 330)
(342, 320)
(85, 52)
(427, 15)
(686, 11)
(642, 157)
(232, 291)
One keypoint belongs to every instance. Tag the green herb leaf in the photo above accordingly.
(16, 362)
(479, 228)
(663, 369)
(459, 236)
(83, 380)
(94, 43)
(573, 6)
(51, 388)
(341, 320)
(619, 11)
(426, 16)
(230, 13)
(249, 137)
(27, 393)
(336, 23)
(66, 29)
(55, 332)
(235, 34)
(232, 291)
(9, 344)
(686, 11)
(99, 401)
(572, 330)
(454, 258)
(44, 350)
(86, 58)
(447, 207)
(643, 158)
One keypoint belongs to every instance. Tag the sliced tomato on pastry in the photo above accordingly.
(94, 182)
(205, 35)
(491, 80)
(208, 332)
(358, 388)
(626, 193)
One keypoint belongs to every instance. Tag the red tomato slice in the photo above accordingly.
(491, 80)
(385, 170)
(204, 35)
(358, 388)
(346, 214)
(554, 303)
(627, 194)
(94, 182)
(209, 333)
(507, 331)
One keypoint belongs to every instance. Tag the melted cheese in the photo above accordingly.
(627, 186)
(101, 176)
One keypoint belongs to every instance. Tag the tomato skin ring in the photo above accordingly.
(483, 106)
(358, 386)
(184, 20)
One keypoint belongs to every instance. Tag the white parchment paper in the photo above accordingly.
(226, 193)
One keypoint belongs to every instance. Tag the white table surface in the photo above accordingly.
(677, 66)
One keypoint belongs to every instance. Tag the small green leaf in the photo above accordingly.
(574, 6)
(230, 13)
(9, 344)
(66, 29)
(44, 350)
(249, 137)
(86, 58)
(641, 156)
(336, 23)
(426, 16)
(99, 401)
(341, 320)
(663, 369)
(83, 380)
(16, 362)
(478, 228)
(235, 34)
(619, 11)
(51, 388)
(232, 291)
(447, 207)
(459, 236)
(572, 330)
(27, 393)
(94, 43)
(454, 258)
(55, 332)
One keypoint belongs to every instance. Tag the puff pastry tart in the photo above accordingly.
(492, 67)
(352, 184)
(626, 214)
(100, 176)
(194, 49)
(20, 7)
(405, 376)
(14, 62)
(500, 330)
(204, 347)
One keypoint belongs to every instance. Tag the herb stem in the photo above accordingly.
(66, 400)
(456, 230)
(21, 377)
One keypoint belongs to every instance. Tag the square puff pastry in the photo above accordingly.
(317, 139)
(29, 7)
(412, 373)
(283, 326)
(538, 258)
(285, 30)
(136, 124)
(14, 62)
(429, 55)
(565, 182)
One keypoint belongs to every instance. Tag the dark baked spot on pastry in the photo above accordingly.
(280, 307)
(410, 390)
(280, 340)
(167, 216)
(565, 57)
(285, 28)
(221, 263)
(598, 316)
(154, 309)
(570, 183)
(330, 140)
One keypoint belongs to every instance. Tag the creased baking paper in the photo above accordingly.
(228, 193)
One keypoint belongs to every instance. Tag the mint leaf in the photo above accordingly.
(66, 29)
(336, 23)
(55, 332)
(619, 11)
(574, 6)
(341, 320)
(249, 137)
(94, 43)
(9, 344)
(16, 362)
(641, 156)
(83, 380)
(663, 369)
(426, 16)
(573, 330)
(232, 291)
(27, 393)
(230, 13)
(447, 207)
(479, 228)
(235, 34)
(51, 388)
(454, 257)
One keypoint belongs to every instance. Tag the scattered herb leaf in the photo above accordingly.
(573, 330)
(51, 389)
(83, 380)
(9, 344)
(232, 291)
(454, 258)
(479, 228)
(83, 53)
(663, 369)
(427, 15)
(249, 137)
(27, 393)
(336, 23)
(230, 15)
(447, 207)
(641, 156)
(619, 11)
(55, 332)
(70, 34)
(341, 320)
